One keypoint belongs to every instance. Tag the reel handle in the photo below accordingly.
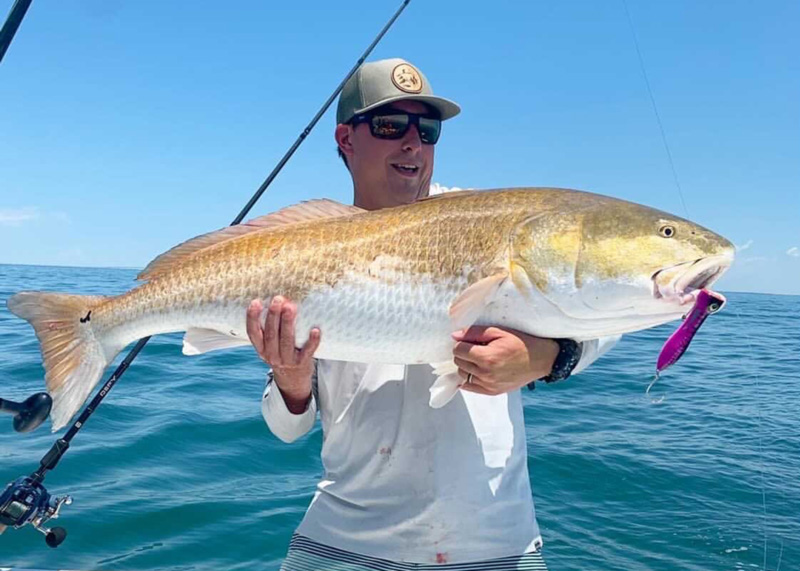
(55, 537)
(30, 413)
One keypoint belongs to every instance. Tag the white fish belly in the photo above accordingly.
(362, 320)
(372, 322)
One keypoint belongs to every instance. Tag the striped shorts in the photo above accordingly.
(307, 555)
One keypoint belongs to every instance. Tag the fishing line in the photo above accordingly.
(655, 108)
(760, 448)
(780, 558)
(659, 400)
(686, 209)
(26, 500)
(656, 377)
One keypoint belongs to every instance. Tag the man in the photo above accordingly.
(404, 482)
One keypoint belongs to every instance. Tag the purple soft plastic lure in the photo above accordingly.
(707, 302)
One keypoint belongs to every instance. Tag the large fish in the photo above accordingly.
(391, 285)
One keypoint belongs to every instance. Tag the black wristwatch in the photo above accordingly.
(569, 353)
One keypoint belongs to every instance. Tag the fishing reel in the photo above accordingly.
(26, 501)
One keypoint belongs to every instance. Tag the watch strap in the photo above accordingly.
(569, 354)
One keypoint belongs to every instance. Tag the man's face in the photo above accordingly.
(387, 172)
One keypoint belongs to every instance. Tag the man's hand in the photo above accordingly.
(501, 360)
(274, 341)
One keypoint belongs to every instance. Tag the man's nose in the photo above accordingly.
(411, 140)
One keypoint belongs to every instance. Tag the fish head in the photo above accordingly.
(597, 257)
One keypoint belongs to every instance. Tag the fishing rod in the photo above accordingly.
(15, 16)
(25, 500)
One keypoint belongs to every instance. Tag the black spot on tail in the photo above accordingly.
(87, 318)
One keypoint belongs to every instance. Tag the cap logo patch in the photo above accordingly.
(406, 78)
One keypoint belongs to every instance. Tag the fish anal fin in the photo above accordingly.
(469, 306)
(303, 212)
(198, 341)
(446, 385)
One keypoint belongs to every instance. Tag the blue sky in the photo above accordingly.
(128, 127)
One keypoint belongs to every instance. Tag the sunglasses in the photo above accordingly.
(395, 124)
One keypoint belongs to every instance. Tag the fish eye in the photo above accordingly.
(667, 231)
(713, 307)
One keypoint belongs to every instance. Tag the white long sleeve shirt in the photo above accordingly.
(407, 482)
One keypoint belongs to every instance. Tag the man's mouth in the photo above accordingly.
(406, 169)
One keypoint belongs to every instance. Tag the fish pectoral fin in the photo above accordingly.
(198, 341)
(469, 306)
(446, 385)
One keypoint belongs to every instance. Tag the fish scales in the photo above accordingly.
(391, 285)
(447, 248)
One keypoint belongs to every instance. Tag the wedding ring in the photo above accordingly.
(469, 379)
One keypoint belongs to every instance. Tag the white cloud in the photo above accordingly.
(794, 251)
(17, 217)
(744, 246)
(20, 216)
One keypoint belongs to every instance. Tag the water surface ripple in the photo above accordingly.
(178, 471)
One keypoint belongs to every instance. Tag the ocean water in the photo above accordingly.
(177, 470)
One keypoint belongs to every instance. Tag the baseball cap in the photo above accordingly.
(380, 82)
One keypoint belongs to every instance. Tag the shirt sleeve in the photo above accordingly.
(281, 421)
(594, 349)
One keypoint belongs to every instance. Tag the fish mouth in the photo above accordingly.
(682, 282)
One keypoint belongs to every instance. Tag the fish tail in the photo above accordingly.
(74, 358)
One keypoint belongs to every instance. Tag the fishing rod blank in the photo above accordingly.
(13, 21)
(26, 500)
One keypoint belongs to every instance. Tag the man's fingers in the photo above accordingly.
(311, 345)
(272, 331)
(466, 367)
(254, 331)
(286, 342)
(478, 334)
(469, 351)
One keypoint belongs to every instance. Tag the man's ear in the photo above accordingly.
(344, 138)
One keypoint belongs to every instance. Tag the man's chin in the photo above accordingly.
(409, 196)
(407, 191)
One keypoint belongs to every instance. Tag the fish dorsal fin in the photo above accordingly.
(303, 212)
(449, 194)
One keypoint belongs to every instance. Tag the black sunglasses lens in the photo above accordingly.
(394, 126)
(389, 126)
(429, 130)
